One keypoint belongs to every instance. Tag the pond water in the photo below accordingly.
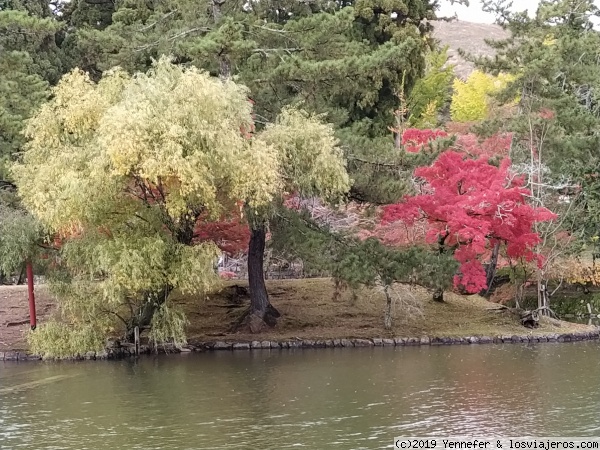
(315, 398)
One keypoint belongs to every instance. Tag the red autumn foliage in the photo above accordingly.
(496, 145)
(414, 139)
(403, 234)
(469, 205)
(231, 235)
(546, 114)
(227, 275)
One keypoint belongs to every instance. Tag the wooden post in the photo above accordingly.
(32, 314)
(136, 338)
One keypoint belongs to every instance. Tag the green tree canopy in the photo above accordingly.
(554, 59)
(29, 61)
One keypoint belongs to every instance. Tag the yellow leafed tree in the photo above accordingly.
(472, 99)
(124, 169)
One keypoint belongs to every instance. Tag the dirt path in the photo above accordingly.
(14, 314)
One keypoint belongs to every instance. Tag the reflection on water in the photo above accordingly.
(314, 399)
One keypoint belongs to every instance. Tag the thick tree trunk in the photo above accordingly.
(142, 317)
(490, 271)
(256, 255)
(261, 311)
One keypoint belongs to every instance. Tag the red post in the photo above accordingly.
(32, 315)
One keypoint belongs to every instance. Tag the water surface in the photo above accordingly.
(314, 398)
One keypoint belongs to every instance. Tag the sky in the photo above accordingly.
(473, 13)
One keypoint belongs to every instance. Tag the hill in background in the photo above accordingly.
(469, 37)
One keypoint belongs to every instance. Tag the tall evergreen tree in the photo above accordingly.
(554, 57)
(29, 61)
(350, 60)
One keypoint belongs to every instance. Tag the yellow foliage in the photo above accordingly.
(584, 272)
(311, 161)
(127, 166)
(429, 117)
(549, 40)
(472, 98)
(173, 127)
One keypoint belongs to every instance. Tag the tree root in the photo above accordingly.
(254, 322)
(528, 318)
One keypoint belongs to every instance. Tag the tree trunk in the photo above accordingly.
(530, 319)
(490, 271)
(388, 308)
(142, 317)
(216, 7)
(21, 278)
(543, 302)
(224, 61)
(261, 311)
(438, 295)
(519, 295)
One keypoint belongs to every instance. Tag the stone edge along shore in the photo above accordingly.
(129, 350)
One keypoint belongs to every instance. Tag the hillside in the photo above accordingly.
(469, 37)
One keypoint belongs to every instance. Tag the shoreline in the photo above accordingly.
(312, 317)
(128, 351)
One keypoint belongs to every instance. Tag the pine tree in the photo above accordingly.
(29, 61)
(26, 67)
(554, 59)
(348, 60)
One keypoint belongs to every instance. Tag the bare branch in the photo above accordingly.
(166, 16)
(173, 38)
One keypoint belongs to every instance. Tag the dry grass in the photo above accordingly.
(309, 312)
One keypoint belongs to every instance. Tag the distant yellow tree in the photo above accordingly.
(472, 99)
(581, 270)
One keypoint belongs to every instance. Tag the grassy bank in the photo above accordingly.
(309, 311)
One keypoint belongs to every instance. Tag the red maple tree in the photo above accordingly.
(469, 206)
(415, 140)
(497, 145)
(231, 234)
